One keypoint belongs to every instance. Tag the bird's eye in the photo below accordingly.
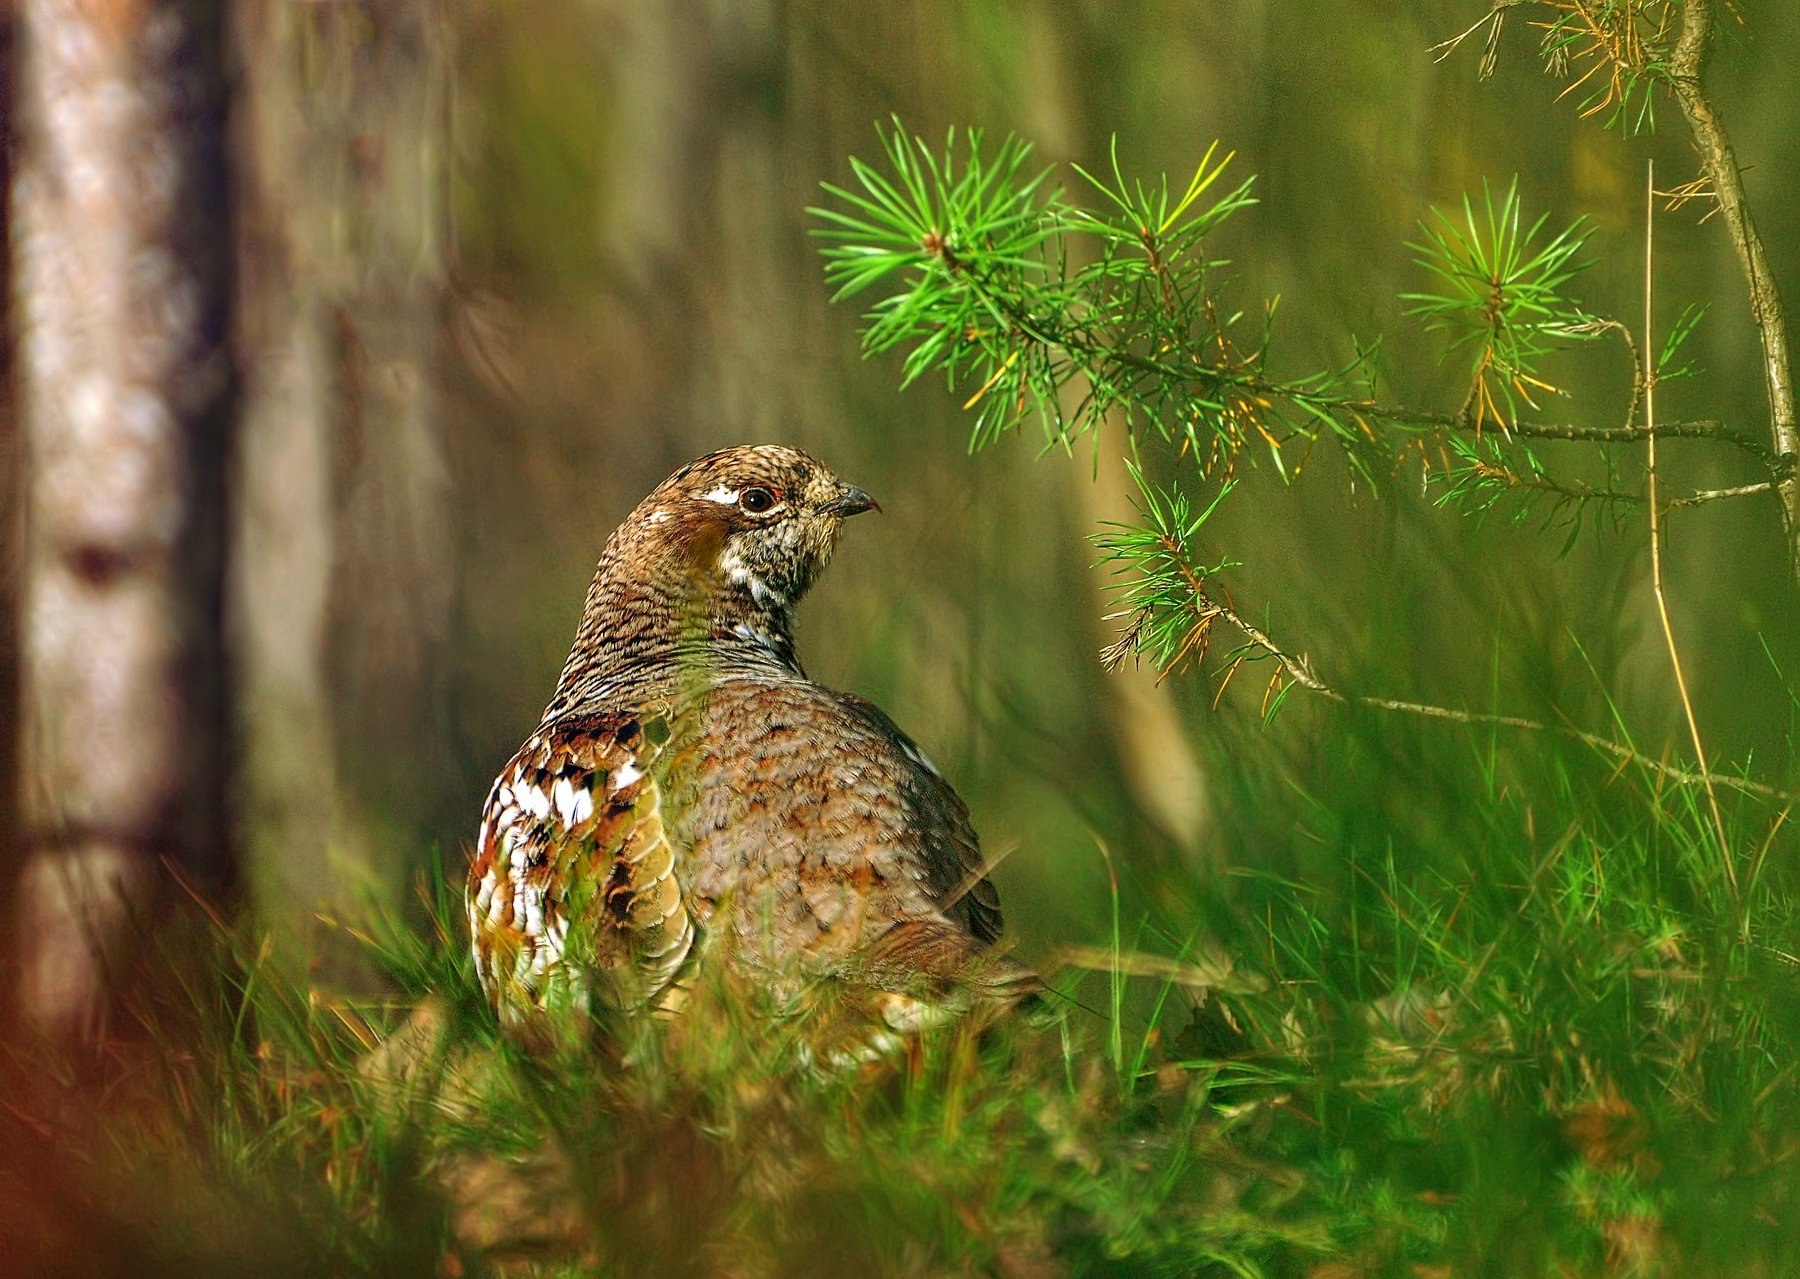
(757, 500)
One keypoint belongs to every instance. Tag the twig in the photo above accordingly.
(1493, 15)
(1639, 367)
(1088, 355)
(1714, 495)
(1579, 492)
(1721, 165)
(1300, 671)
(1656, 573)
(1704, 429)
(1575, 491)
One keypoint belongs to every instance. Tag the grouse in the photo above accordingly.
(690, 792)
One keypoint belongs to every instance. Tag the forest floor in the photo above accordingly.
(1567, 1046)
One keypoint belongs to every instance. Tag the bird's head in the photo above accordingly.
(758, 522)
(713, 561)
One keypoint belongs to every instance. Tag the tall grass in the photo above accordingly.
(1485, 1013)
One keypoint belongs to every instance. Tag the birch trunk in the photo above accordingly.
(119, 271)
(11, 864)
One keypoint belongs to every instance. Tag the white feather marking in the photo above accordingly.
(919, 757)
(533, 799)
(584, 807)
(656, 517)
(722, 495)
(733, 566)
(517, 855)
(568, 801)
(622, 776)
(756, 635)
(763, 593)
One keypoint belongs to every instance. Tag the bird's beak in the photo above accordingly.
(851, 501)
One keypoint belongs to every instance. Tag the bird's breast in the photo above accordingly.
(802, 822)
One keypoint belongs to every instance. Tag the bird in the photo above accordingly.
(690, 796)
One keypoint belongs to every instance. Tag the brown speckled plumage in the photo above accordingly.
(689, 792)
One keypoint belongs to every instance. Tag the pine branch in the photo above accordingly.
(985, 295)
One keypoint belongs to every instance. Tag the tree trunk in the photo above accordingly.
(1159, 765)
(119, 269)
(10, 862)
(340, 588)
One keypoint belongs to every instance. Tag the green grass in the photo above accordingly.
(1489, 1013)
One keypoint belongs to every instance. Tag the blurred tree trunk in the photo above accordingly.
(120, 275)
(341, 587)
(684, 230)
(1159, 765)
(10, 862)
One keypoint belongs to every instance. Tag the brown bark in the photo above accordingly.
(119, 276)
(1720, 161)
(10, 864)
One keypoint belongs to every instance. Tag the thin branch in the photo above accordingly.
(1716, 154)
(1703, 429)
(1574, 491)
(1300, 671)
(1493, 19)
(1656, 572)
(1640, 367)
(1579, 492)
(1715, 495)
(1089, 355)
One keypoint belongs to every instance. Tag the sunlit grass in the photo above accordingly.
(1517, 1024)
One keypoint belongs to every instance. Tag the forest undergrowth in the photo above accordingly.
(1544, 1024)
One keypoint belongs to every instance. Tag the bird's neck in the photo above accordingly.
(647, 638)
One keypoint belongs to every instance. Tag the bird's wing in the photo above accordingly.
(959, 882)
(573, 885)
